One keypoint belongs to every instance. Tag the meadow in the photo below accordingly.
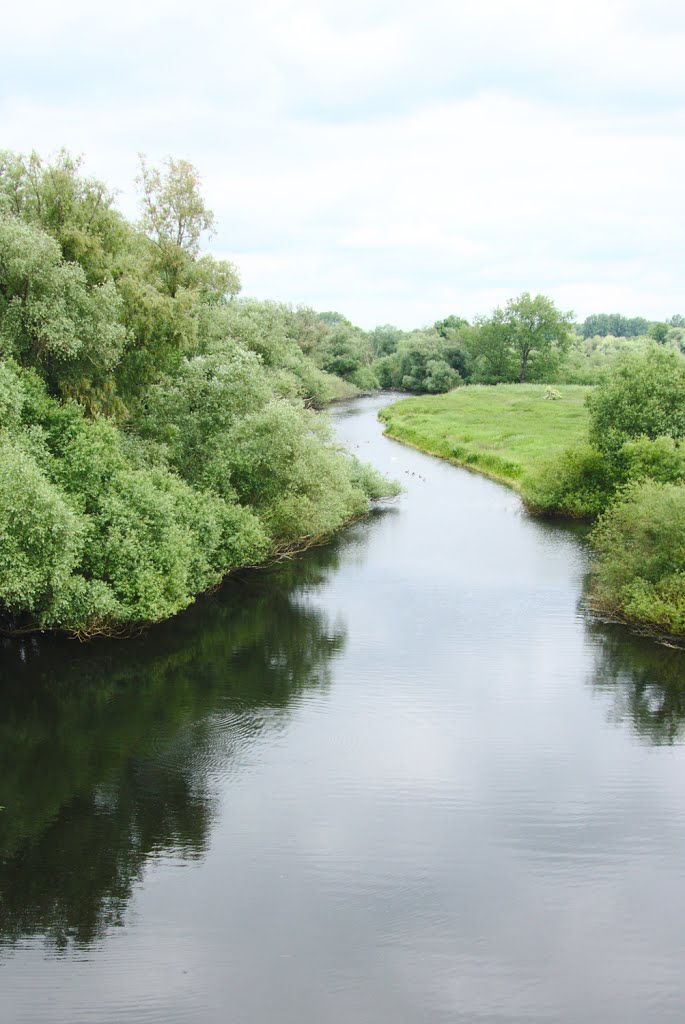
(504, 432)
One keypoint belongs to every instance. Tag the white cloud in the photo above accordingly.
(394, 162)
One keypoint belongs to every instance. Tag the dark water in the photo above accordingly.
(402, 779)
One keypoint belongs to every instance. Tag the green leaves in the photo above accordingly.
(49, 317)
(640, 567)
(42, 537)
(524, 341)
(645, 395)
(102, 325)
(174, 217)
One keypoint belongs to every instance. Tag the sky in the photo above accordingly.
(395, 161)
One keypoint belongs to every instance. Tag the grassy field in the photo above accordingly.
(503, 431)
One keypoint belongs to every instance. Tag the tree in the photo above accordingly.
(603, 324)
(174, 216)
(536, 330)
(77, 211)
(384, 340)
(450, 326)
(490, 350)
(51, 319)
(644, 397)
(659, 331)
(525, 339)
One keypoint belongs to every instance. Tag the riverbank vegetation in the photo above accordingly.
(157, 431)
(155, 434)
(503, 432)
(611, 454)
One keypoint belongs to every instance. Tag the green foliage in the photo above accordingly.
(152, 429)
(424, 361)
(645, 396)
(106, 528)
(575, 483)
(345, 352)
(41, 536)
(280, 463)
(384, 339)
(76, 211)
(591, 360)
(286, 340)
(659, 458)
(527, 340)
(160, 542)
(51, 319)
(450, 326)
(659, 331)
(602, 324)
(493, 358)
(639, 572)
(174, 218)
(582, 482)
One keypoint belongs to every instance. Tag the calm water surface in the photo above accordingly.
(402, 779)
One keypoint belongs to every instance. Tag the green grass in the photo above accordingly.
(504, 431)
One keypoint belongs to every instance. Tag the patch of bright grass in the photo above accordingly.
(504, 431)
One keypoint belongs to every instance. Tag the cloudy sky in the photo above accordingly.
(394, 160)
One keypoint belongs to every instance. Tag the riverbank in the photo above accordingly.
(511, 433)
(502, 432)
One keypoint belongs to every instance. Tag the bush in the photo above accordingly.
(579, 483)
(639, 573)
(153, 430)
(644, 396)
(41, 536)
(660, 458)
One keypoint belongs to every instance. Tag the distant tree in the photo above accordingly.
(526, 338)
(636, 326)
(603, 324)
(308, 329)
(659, 331)
(446, 328)
(457, 355)
(490, 350)
(384, 340)
(334, 319)
(345, 352)
(440, 377)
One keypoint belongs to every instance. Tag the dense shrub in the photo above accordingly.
(42, 536)
(644, 396)
(153, 430)
(639, 572)
(579, 484)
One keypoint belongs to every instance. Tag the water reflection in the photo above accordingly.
(106, 752)
(646, 682)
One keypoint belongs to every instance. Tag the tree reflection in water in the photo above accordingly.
(645, 680)
(106, 750)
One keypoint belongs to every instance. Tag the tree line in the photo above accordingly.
(157, 431)
(528, 340)
(155, 434)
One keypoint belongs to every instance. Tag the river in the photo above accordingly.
(402, 778)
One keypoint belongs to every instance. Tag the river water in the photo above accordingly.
(403, 778)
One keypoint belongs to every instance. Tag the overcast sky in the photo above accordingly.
(394, 160)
